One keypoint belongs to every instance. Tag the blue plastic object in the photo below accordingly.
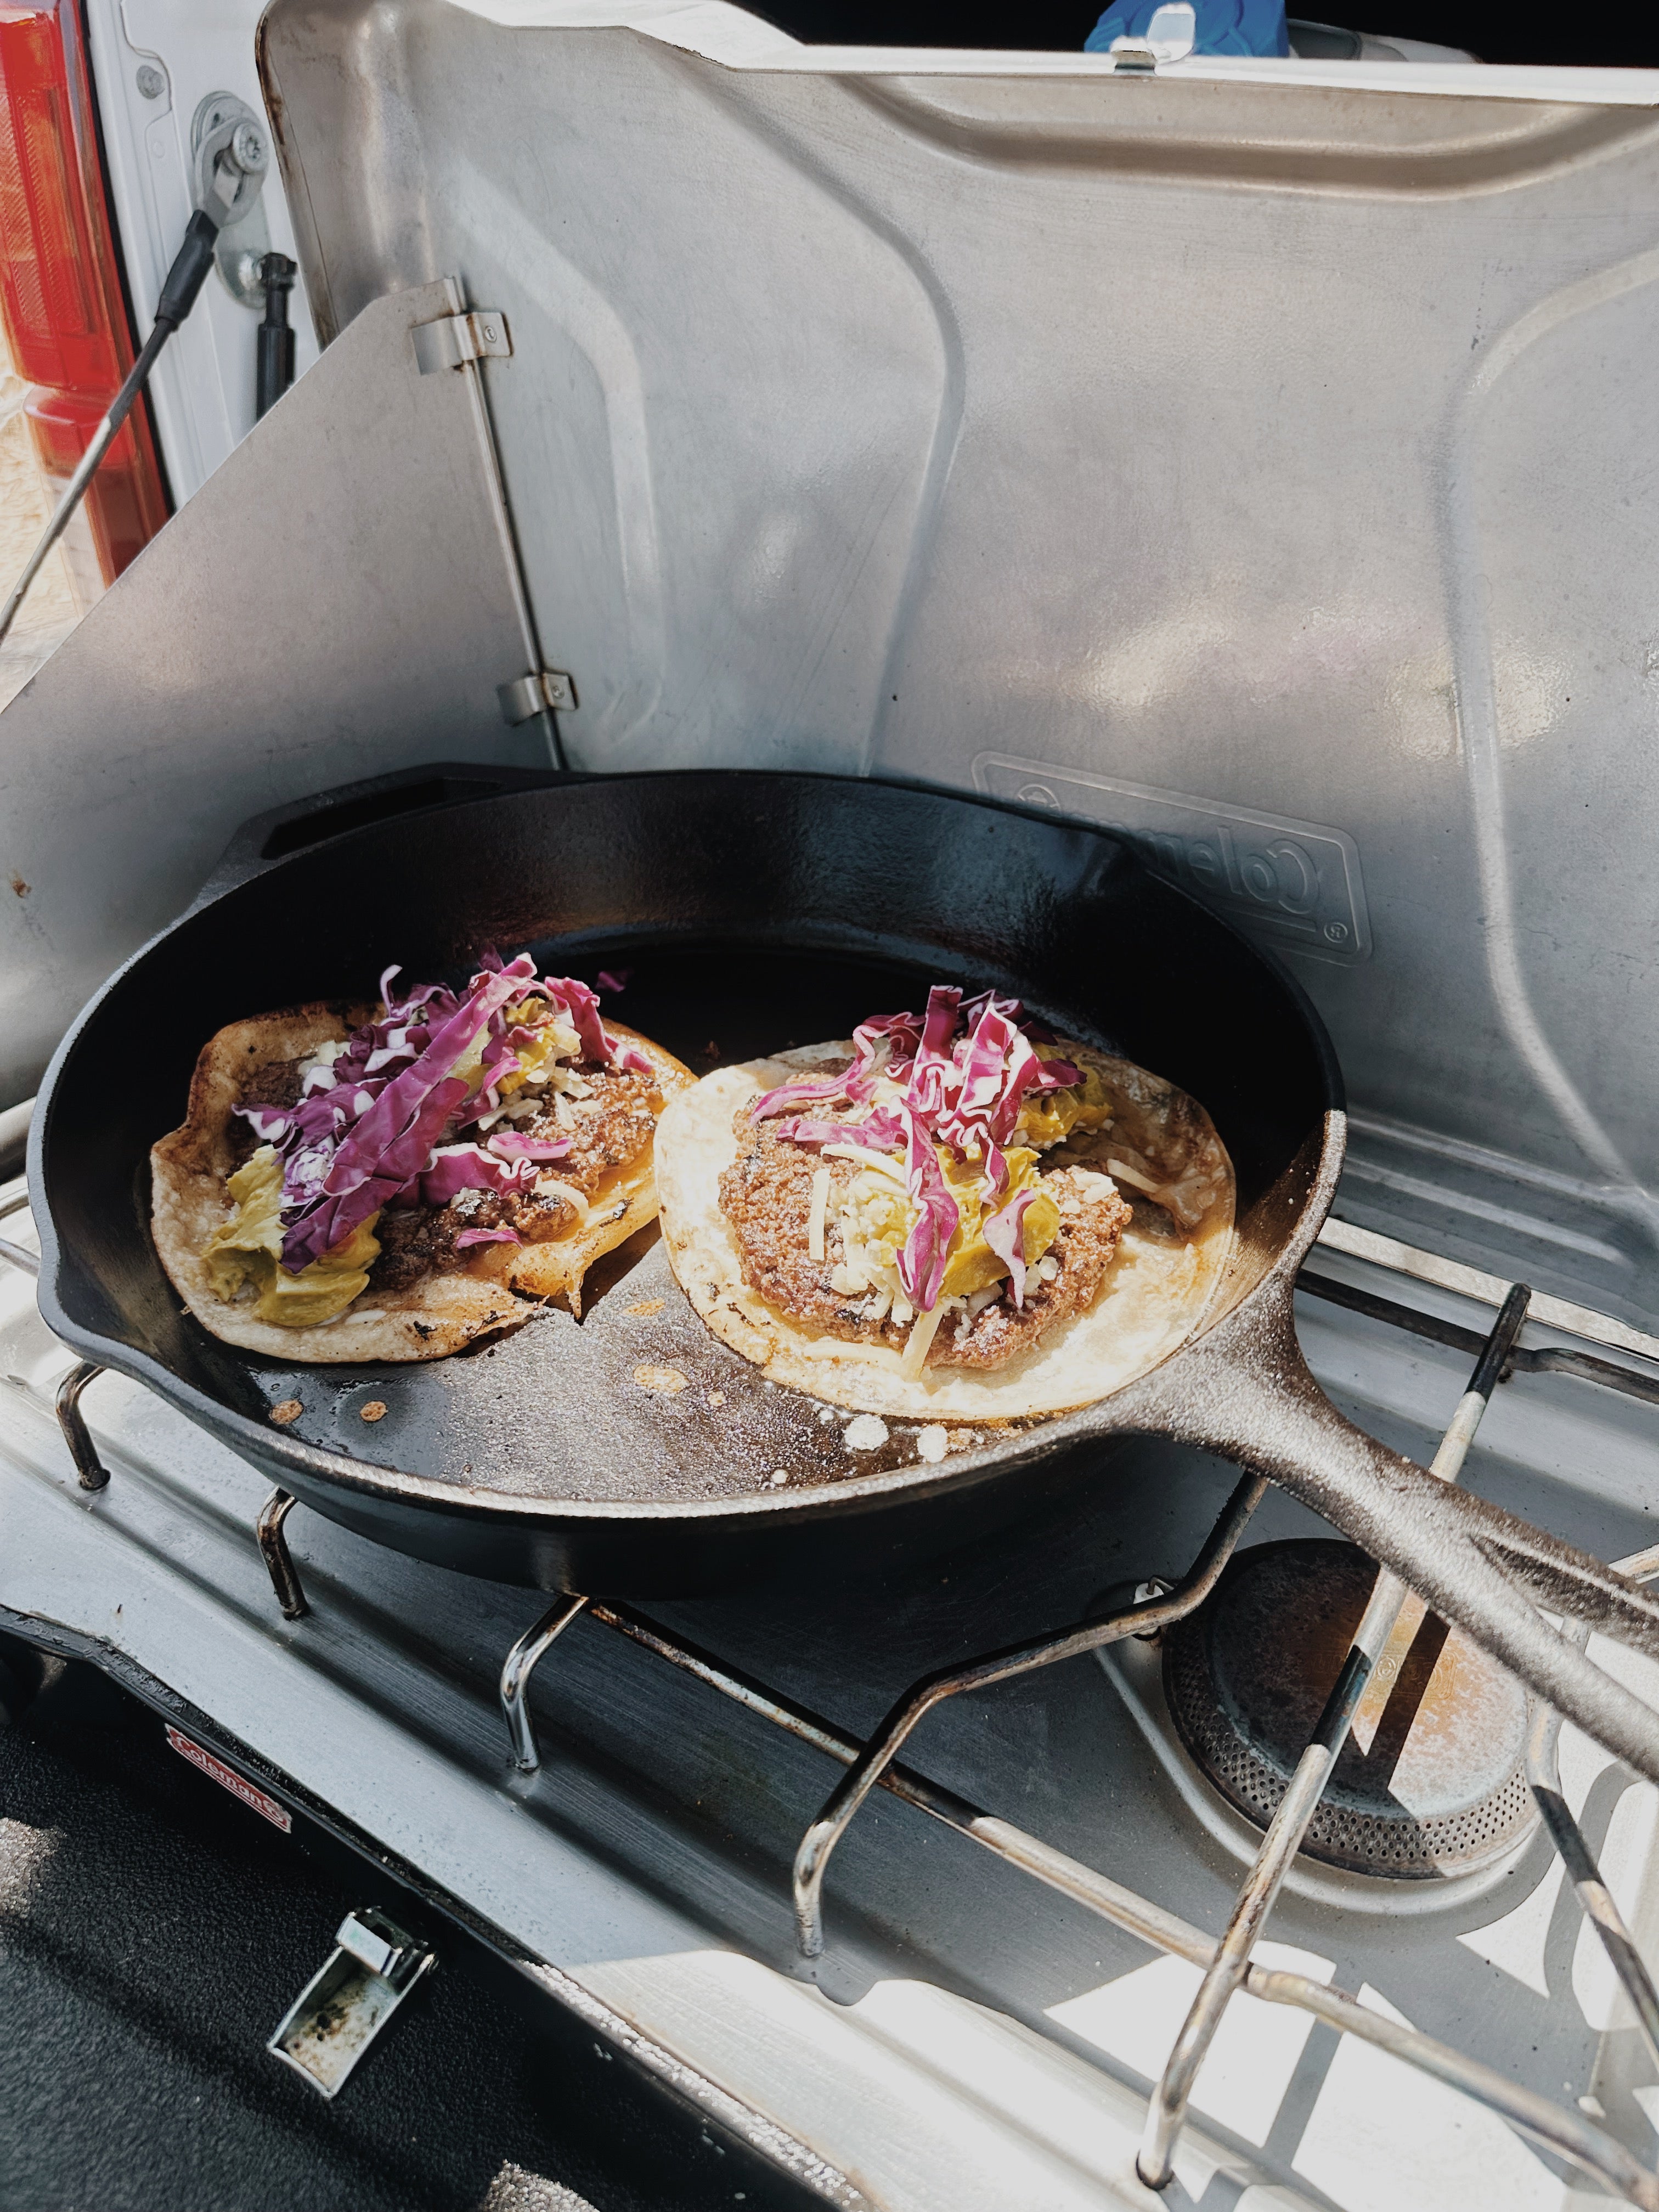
(1224, 27)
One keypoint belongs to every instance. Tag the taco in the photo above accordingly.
(389, 1182)
(953, 1215)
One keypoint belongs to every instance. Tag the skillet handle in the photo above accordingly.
(265, 839)
(1245, 1389)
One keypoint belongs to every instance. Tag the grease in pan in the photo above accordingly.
(353, 1183)
(953, 1215)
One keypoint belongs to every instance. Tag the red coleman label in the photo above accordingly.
(226, 1778)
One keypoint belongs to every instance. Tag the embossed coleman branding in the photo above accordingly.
(227, 1778)
(1294, 883)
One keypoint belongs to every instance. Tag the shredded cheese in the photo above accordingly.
(1134, 1178)
(815, 1218)
(921, 1341)
(883, 1162)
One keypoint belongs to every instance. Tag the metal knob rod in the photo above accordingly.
(520, 1664)
(91, 1470)
(275, 368)
(1544, 1777)
(279, 1560)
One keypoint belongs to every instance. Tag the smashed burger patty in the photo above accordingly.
(767, 1196)
(607, 1129)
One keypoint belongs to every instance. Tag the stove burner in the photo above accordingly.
(1442, 1790)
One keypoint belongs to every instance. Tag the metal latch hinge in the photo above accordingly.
(339, 2012)
(481, 334)
(530, 695)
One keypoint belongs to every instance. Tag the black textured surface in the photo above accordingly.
(1528, 31)
(152, 1933)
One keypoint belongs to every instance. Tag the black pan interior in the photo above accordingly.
(752, 911)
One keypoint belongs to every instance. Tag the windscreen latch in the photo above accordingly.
(453, 340)
(530, 695)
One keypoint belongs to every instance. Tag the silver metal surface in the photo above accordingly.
(1562, 2132)
(1217, 433)
(363, 518)
(1544, 1773)
(1390, 1621)
(329, 2028)
(812, 1855)
(1471, 1283)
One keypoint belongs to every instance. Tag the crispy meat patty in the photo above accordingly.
(608, 1128)
(767, 1196)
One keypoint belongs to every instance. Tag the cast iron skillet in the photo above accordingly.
(754, 910)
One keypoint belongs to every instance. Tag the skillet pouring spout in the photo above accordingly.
(1245, 1390)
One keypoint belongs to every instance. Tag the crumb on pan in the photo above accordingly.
(664, 1380)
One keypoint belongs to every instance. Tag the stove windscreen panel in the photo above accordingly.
(1256, 456)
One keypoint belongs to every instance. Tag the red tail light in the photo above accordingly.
(60, 290)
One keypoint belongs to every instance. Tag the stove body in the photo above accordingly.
(1255, 456)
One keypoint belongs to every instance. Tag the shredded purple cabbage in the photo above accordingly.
(927, 1248)
(487, 1236)
(376, 1127)
(1005, 1232)
(967, 1068)
(456, 1168)
(511, 1146)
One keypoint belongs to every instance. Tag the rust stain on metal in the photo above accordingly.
(289, 1410)
(1439, 1789)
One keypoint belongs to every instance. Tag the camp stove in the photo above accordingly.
(1447, 2008)
(1204, 450)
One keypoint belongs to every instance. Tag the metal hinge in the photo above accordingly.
(483, 334)
(530, 695)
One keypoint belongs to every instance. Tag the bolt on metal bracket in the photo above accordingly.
(480, 334)
(230, 155)
(531, 695)
(330, 2025)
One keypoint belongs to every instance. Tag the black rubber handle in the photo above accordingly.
(264, 841)
(189, 271)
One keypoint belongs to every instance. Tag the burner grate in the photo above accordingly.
(1227, 1965)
